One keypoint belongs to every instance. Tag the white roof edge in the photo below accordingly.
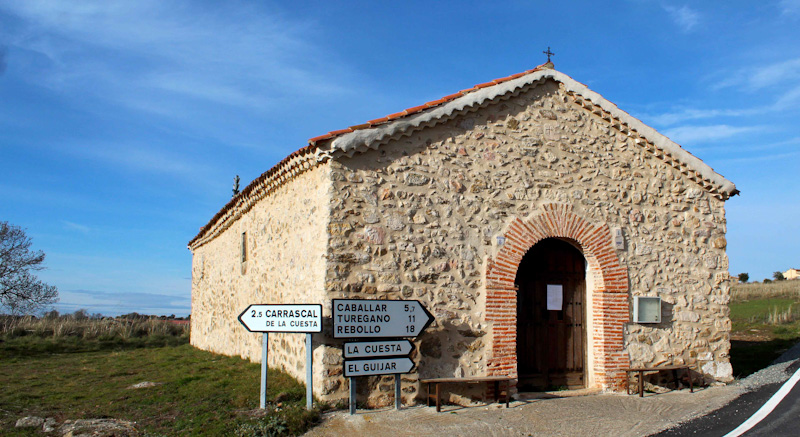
(349, 143)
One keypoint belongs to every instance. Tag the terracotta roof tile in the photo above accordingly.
(436, 102)
(415, 109)
(319, 138)
(378, 120)
(451, 97)
(333, 133)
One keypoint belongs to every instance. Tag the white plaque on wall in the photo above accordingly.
(555, 297)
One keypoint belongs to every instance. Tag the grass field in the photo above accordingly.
(198, 393)
(765, 323)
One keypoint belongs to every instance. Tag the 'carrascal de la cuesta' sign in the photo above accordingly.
(299, 318)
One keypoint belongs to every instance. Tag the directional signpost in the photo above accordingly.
(295, 318)
(359, 318)
(387, 319)
(373, 349)
(282, 318)
(381, 366)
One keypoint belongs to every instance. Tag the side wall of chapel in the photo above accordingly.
(286, 236)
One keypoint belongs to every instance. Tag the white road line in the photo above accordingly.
(766, 408)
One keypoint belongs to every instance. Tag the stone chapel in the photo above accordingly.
(482, 205)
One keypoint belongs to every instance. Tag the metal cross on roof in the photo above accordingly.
(548, 53)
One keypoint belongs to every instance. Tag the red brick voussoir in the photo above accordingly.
(609, 311)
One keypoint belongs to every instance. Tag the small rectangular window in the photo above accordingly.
(244, 246)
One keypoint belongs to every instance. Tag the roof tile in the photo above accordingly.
(319, 138)
(415, 109)
(340, 131)
(378, 121)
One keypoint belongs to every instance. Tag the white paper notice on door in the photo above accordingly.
(555, 297)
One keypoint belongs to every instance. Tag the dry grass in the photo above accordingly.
(88, 328)
(773, 290)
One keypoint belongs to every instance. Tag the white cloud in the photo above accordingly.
(764, 157)
(114, 303)
(789, 98)
(699, 134)
(685, 17)
(790, 7)
(756, 78)
(180, 53)
(685, 114)
(147, 159)
(76, 227)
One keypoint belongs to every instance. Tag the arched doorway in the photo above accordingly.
(551, 317)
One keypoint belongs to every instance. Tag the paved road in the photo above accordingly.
(783, 421)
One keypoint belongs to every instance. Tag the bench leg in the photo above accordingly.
(675, 377)
(691, 382)
(628, 382)
(428, 393)
(438, 405)
(641, 384)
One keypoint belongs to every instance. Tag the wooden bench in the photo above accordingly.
(642, 370)
(469, 380)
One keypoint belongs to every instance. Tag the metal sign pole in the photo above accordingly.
(309, 373)
(352, 396)
(264, 348)
(398, 400)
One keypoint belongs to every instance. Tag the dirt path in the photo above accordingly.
(600, 414)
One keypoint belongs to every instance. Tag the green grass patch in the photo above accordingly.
(765, 321)
(759, 308)
(198, 393)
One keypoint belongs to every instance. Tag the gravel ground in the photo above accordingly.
(593, 414)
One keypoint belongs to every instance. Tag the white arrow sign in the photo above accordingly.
(382, 366)
(359, 318)
(386, 348)
(297, 318)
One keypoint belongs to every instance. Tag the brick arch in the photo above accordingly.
(609, 310)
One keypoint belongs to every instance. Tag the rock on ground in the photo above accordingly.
(29, 422)
(98, 428)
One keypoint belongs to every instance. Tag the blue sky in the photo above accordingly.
(123, 123)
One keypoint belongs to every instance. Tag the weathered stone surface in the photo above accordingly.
(143, 384)
(287, 241)
(30, 422)
(98, 428)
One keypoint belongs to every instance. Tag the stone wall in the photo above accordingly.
(287, 240)
(418, 219)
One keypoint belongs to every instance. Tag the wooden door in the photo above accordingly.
(551, 343)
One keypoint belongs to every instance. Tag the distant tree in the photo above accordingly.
(778, 276)
(744, 277)
(80, 314)
(21, 292)
(767, 280)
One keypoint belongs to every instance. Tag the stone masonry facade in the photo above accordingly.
(286, 243)
(419, 216)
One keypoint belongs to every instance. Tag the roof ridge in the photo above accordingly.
(422, 107)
